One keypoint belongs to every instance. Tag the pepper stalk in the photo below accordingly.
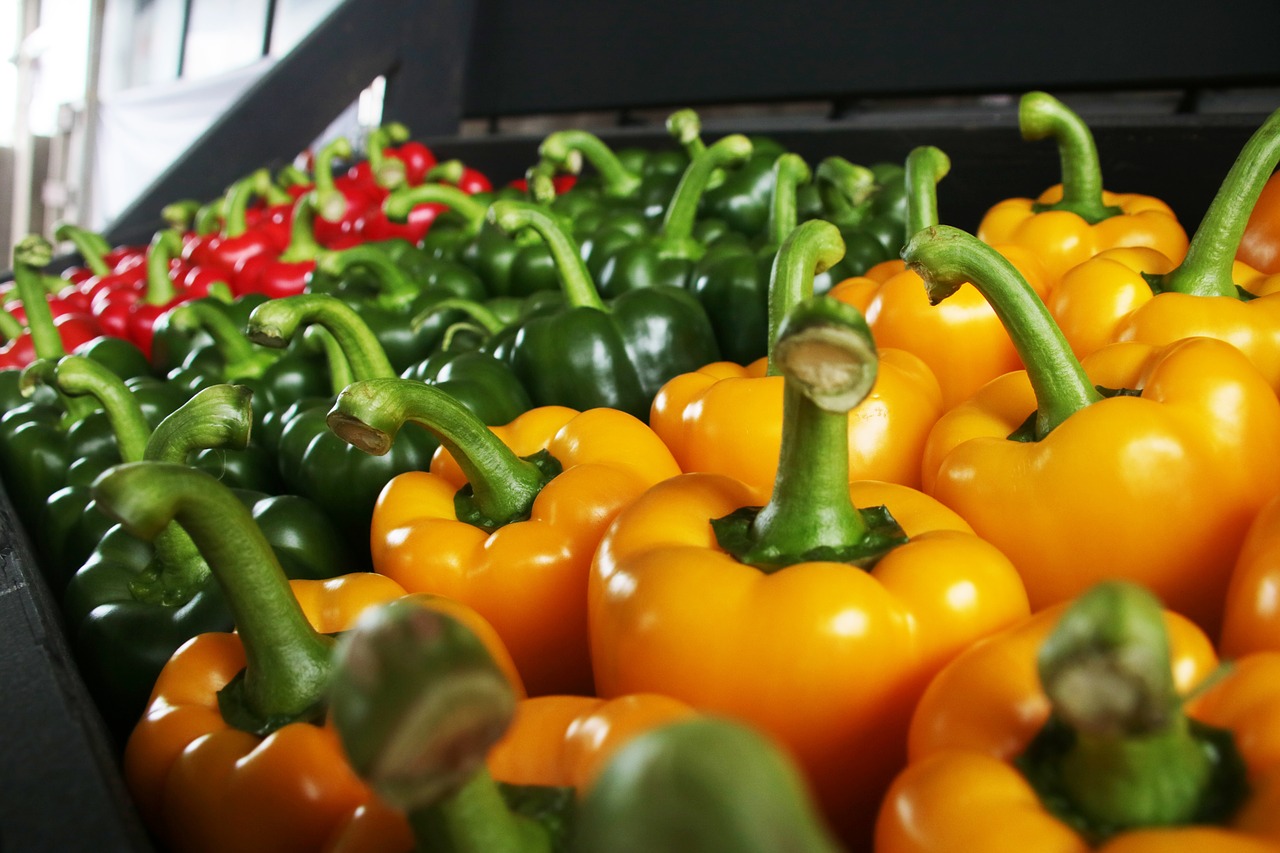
(1041, 115)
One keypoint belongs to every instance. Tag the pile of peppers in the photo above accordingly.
(699, 498)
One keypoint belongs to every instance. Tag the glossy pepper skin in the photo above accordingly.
(1076, 220)
(592, 354)
(135, 601)
(967, 786)
(1141, 295)
(1046, 447)
(728, 419)
(700, 593)
(1250, 622)
(1260, 245)
(542, 489)
(961, 339)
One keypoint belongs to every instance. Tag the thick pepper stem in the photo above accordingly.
(242, 359)
(478, 314)
(676, 238)
(418, 703)
(827, 355)
(389, 172)
(400, 202)
(925, 167)
(180, 214)
(567, 149)
(575, 281)
(89, 245)
(165, 246)
(1107, 671)
(790, 172)
(288, 663)
(1041, 115)
(43, 371)
(331, 204)
(395, 287)
(540, 182)
(268, 190)
(10, 326)
(275, 323)
(846, 189)
(319, 339)
(947, 257)
(811, 248)
(369, 414)
(303, 245)
(32, 254)
(235, 206)
(79, 376)
(1206, 269)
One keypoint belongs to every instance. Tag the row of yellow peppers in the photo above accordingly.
(616, 585)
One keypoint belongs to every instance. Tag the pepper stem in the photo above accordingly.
(846, 189)
(1206, 269)
(89, 245)
(165, 245)
(275, 323)
(288, 662)
(812, 248)
(477, 313)
(331, 204)
(369, 414)
(180, 214)
(418, 702)
(567, 148)
(388, 172)
(676, 238)
(1127, 756)
(925, 167)
(10, 326)
(790, 172)
(242, 360)
(81, 376)
(1041, 115)
(32, 254)
(400, 202)
(575, 281)
(303, 245)
(236, 204)
(947, 257)
(395, 287)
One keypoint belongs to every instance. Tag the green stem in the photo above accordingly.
(395, 287)
(826, 354)
(303, 245)
(208, 218)
(677, 225)
(275, 323)
(946, 258)
(1130, 757)
(44, 371)
(89, 245)
(292, 176)
(400, 202)
(813, 247)
(331, 204)
(540, 179)
(418, 702)
(387, 171)
(480, 315)
(268, 190)
(1041, 115)
(368, 415)
(685, 127)
(1206, 269)
(32, 254)
(925, 167)
(575, 281)
(288, 662)
(846, 190)
(446, 172)
(790, 172)
(340, 374)
(567, 148)
(165, 245)
(79, 376)
(180, 214)
(10, 326)
(236, 204)
(241, 359)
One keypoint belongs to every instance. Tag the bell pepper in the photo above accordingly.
(961, 340)
(236, 244)
(394, 159)
(1146, 463)
(1141, 295)
(1075, 220)
(1106, 725)
(232, 752)
(710, 590)
(313, 462)
(480, 381)
(633, 179)
(1260, 244)
(45, 336)
(507, 519)
(288, 272)
(590, 354)
(728, 419)
(872, 216)
(340, 202)
(1249, 620)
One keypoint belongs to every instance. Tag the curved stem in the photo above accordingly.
(479, 315)
(331, 204)
(947, 257)
(846, 190)
(241, 359)
(303, 245)
(575, 281)
(340, 374)
(677, 224)
(1206, 269)
(1041, 115)
(446, 172)
(566, 148)
(790, 172)
(540, 182)
(44, 371)
(90, 246)
(275, 324)
(369, 414)
(80, 376)
(218, 416)
(288, 663)
(236, 204)
(402, 201)
(925, 167)
(812, 248)
(10, 326)
(292, 176)
(165, 246)
(32, 254)
(268, 190)
(180, 214)
(389, 172)
(394, 285)
(208, 219)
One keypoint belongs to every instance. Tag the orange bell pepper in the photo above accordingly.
(507, 520)
(809, 618)
(1074, 732)
(1251, 618)
(727, 419)
(1141, 295)
(1260, 245)
(1072, 222)
(234, 751)
(1076, 486)
(961, 340)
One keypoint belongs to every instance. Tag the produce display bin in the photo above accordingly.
(62, 788)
